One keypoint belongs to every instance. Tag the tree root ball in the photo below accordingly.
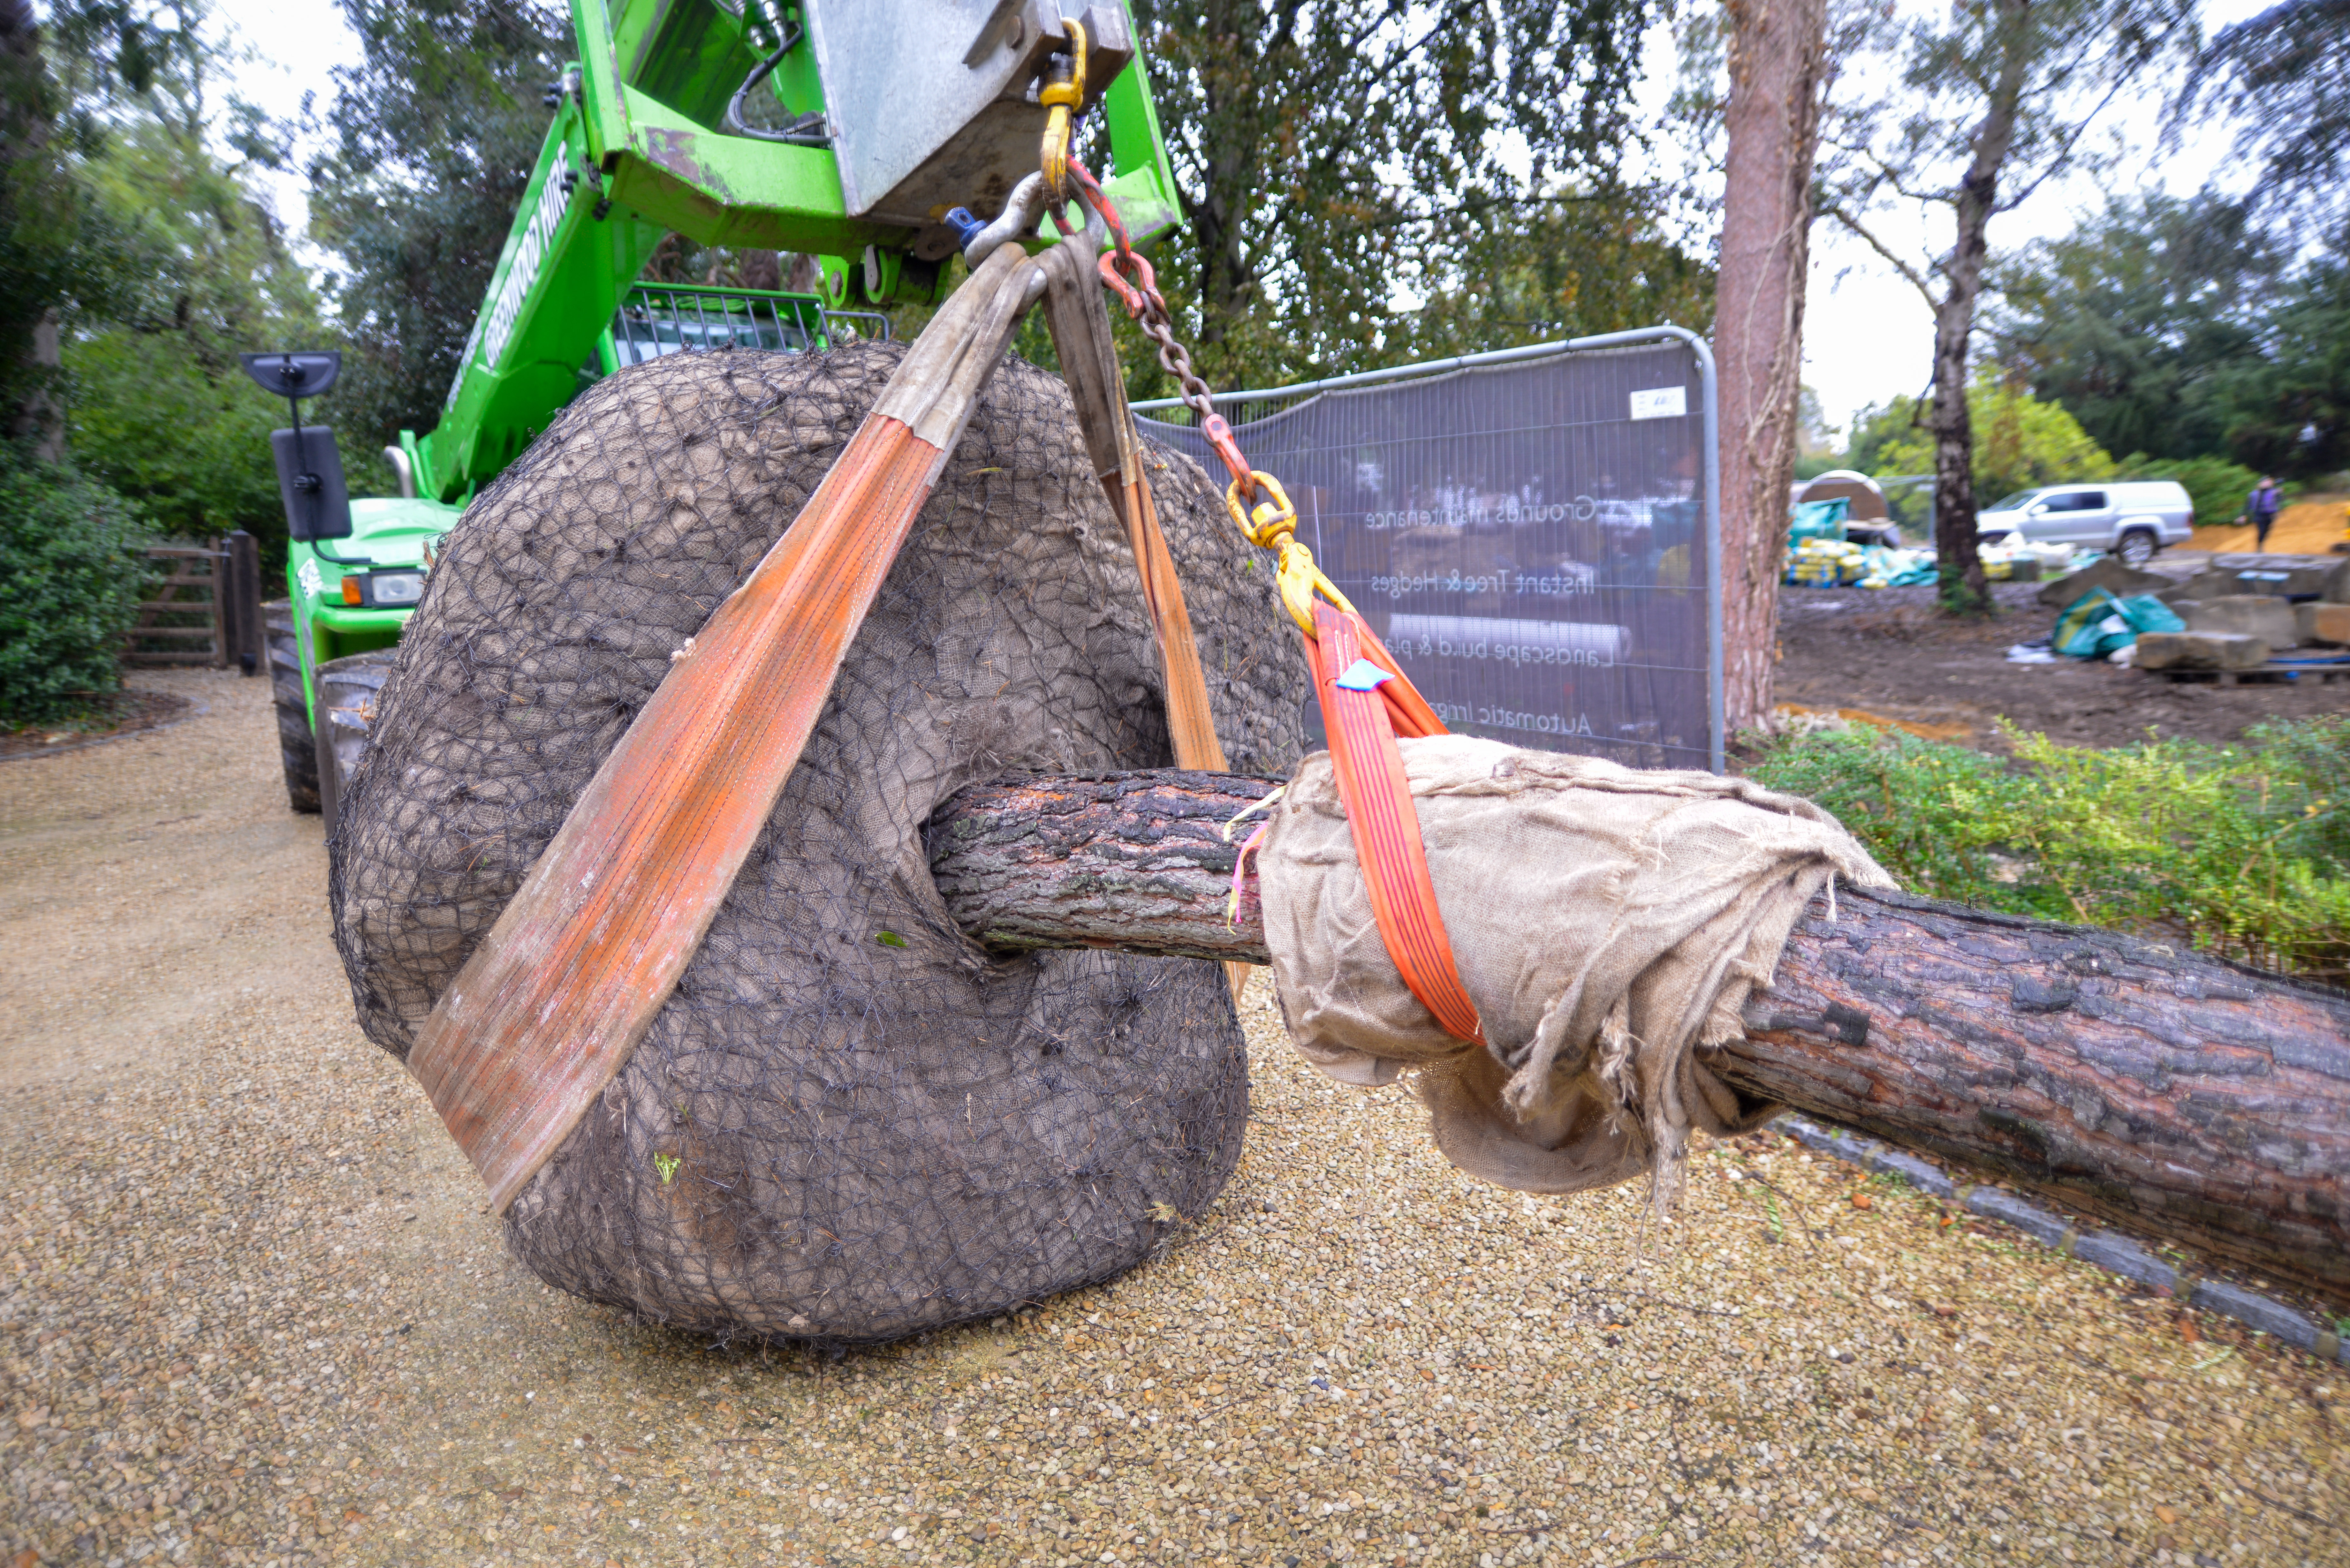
(848, 1122)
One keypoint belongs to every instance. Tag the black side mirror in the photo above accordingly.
(309, 468)
(310, 483)
(303, 375)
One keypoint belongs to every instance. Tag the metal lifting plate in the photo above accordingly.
(926, 117)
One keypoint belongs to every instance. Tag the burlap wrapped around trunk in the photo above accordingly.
(847, 1121)
(1607, 923)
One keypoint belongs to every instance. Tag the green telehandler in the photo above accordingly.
(877, 136)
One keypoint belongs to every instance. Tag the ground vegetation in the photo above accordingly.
(2242, 849)
(71, 578)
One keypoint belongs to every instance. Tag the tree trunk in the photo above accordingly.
(28, 322)
(1777, 65)
(2187, 1099)
(1964, 588)
(1957, 565)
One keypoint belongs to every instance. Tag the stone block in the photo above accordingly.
(2120, 1255)
(1925, 1177)
(2198, 650)
(2321, 622)
(2244, 615)
(2279, 577)
(2106, 572)
(2256, 1311)
(2028, 1218)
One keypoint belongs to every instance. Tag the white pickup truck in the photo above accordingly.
(2132, 518)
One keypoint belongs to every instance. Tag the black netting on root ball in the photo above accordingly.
(847, 1121)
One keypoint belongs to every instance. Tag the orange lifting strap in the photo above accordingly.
(1365, 701)
(549, 1006)
(1366, 697)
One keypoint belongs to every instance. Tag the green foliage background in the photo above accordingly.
(2242, 851)
(434, 135)
(2020, 441)
(71, 583)
(2188, 327)
(2217, 486)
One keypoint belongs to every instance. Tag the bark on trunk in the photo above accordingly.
(1964, 588)
(1958, 566)
(1778, 57)
(33, 416)
(2187, 1099)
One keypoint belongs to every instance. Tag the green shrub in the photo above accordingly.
(2244, 850)
(70, 581)
(2215, 485)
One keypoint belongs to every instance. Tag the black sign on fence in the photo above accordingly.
(1535, 534)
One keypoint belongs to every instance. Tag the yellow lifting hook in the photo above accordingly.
(1063, 94)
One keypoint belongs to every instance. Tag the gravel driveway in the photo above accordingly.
(253, 1312)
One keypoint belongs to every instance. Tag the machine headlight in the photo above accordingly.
(383, 591)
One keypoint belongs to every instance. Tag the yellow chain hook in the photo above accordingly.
(1063, 94)
(1271, 518)
(1272, 524)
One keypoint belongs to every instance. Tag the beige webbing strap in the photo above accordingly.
(551, 1003)
(1079, 320)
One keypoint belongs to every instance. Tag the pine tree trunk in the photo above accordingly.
(2187, 1099)
(30, 356)
(1957, 565)
(1964, 588)
(1777, 61)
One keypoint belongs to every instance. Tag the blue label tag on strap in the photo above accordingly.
(1363, 676)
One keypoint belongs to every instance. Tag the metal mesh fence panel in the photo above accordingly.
(1530, 538)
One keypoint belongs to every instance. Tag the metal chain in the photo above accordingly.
(1258, 504)
(1130, 278)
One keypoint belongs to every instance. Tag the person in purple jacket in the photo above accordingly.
(2261, 508)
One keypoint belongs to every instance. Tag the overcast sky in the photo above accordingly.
(1868, 335)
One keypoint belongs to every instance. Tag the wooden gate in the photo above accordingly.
(206, 611)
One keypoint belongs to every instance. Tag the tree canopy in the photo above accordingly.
(1360, 186)
(2132, 320)
(1991, 101)
(2020, 441)
(435, 133)
(1339, 164)
(160, 407)
(2186, 329)
(2283, 77)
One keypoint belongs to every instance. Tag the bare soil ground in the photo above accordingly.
(115, 715)
(252, 1312)
(2312, 526)
(1889, 652)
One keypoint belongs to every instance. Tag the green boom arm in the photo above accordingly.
(636, 149)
